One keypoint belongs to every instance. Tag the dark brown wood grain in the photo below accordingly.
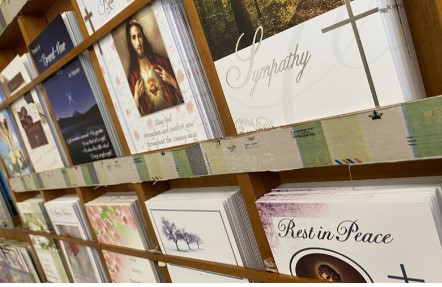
(425, 20)
(31, 27)
(209, 67)
(204, 181)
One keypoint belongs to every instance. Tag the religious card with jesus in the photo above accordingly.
(285, 62)
(388, 234)
(155, 86)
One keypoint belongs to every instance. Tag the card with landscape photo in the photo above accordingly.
(286, 62)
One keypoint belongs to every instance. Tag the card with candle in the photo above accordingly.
(341, 234)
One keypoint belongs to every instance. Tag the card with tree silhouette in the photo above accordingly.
(197, 223)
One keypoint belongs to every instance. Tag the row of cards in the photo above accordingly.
(402, 132)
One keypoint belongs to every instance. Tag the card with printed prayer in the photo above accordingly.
(74, 94)
(154, 75)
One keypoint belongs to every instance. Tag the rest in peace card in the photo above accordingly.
(382, 238)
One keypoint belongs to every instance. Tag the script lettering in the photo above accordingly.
(58, 49)
(346, 230)
(295, 59)
(105, 6)
(235, 70)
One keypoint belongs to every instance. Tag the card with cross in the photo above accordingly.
(97, 13)
(153, 78)
(382, 232)
(314, 60)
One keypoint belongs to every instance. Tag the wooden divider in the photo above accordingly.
(428, 41)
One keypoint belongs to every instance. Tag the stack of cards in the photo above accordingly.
(204, 223)
(384, 233)
(68, 219)
(117, 220)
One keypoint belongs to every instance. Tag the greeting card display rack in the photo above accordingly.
(425, 18)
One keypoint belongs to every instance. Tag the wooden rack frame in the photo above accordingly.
(425, 18)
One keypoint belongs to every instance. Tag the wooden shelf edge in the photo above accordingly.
(15, 233)
(210, 266)
(274, 150)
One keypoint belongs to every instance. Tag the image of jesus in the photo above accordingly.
(151, 78)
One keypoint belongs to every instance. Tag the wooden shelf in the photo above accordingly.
(14, 234)
(210, 266)
(256, 161)
(11, 36)
(260, 152)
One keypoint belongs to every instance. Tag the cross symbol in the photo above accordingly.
(352, 19)
(87, 18)
(36, 138)
(405, 277)
(70, 99)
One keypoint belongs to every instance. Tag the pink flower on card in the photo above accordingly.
(114, 265)
(100, 238)
(189, 107)
(117, 268)
(136, 135)
(72, 247)
(98, 224)
(108, 225)
(180, 76)
(119, 210)
(149, 124)
(117, 81)
(107, 257)
(106, 239)
(125, 220)
(118, 239)
(90, 212)
(128, 112)
(118, 261)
